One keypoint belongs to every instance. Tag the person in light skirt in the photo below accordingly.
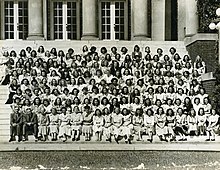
(64, 122)
(213, 125)
(54, 122)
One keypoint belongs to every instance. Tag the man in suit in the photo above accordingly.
(30, 123)
(15, 125)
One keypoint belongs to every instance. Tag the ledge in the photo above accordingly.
(200, 37)
(208, 77)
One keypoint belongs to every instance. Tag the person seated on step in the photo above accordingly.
(98, 124)
(127, 125)
(117, 119)
(192, 123)
(213, 125)
(161, 129)
(181, 121)
(64, 122)
(137, 121)
(201, 121)
(15, 125)
(87, 123)
(137, 54)
(54, 123)
(149, 123)
(108, 123)
(43, 125)
(171, 123)
(76, 123)
(30, 123)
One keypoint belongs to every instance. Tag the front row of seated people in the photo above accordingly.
(119, 124)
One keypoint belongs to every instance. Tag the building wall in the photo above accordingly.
(206, 49)
(158, 27)
(181, 19)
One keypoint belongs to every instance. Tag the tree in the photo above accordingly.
(206, 13)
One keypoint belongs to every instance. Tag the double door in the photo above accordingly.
(15, 19)
(65, 23)
(114, 20)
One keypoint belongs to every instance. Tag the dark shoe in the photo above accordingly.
(212, 139)
(184, 139)
(77, 139)
(73, 139)
(181, 140)
(129, 141)
(138, 139)
(150, 140)
(207, 140)
(171, 140)
(165, 140)
(116, 140)
(126, 141)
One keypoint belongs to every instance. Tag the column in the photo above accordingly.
(181, 19)
(140, 19)
(35, 20)
(89, 20)
(191, 18)
(158, 20)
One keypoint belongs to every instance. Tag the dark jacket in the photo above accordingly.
(30, 118)
(16, 118)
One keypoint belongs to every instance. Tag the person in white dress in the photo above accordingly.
(98, 123)
(149, 122)
(53, 125)
(76, 123)
(64, 122)
(213, 125)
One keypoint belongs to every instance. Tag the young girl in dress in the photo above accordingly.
(108, 124)
(64, 122)
(213, 125)
(171, 122)
(117, 119)
(87, 123)
(149, 122)
(54, 122)
(137, 121)
(98, 122)
(127, 125)
(43, 122)
(181, 122)
(201, 121)
(192, 122)
(76, 123)
(161, 129)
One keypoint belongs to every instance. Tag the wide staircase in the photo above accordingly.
(5, 110)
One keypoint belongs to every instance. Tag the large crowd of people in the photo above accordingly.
(106, 93)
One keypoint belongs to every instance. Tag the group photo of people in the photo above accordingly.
(105, 94)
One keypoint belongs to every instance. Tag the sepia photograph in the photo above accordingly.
(109, 84)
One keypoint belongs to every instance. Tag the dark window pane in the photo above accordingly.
(11, 35)
(108, 27)
(122, 37)
(116, 36)
(108, 36)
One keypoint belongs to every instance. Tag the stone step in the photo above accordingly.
(4, 116)
(5, 121)
(5, 126)
(5, 132)
(77, 45)
(3, 97)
